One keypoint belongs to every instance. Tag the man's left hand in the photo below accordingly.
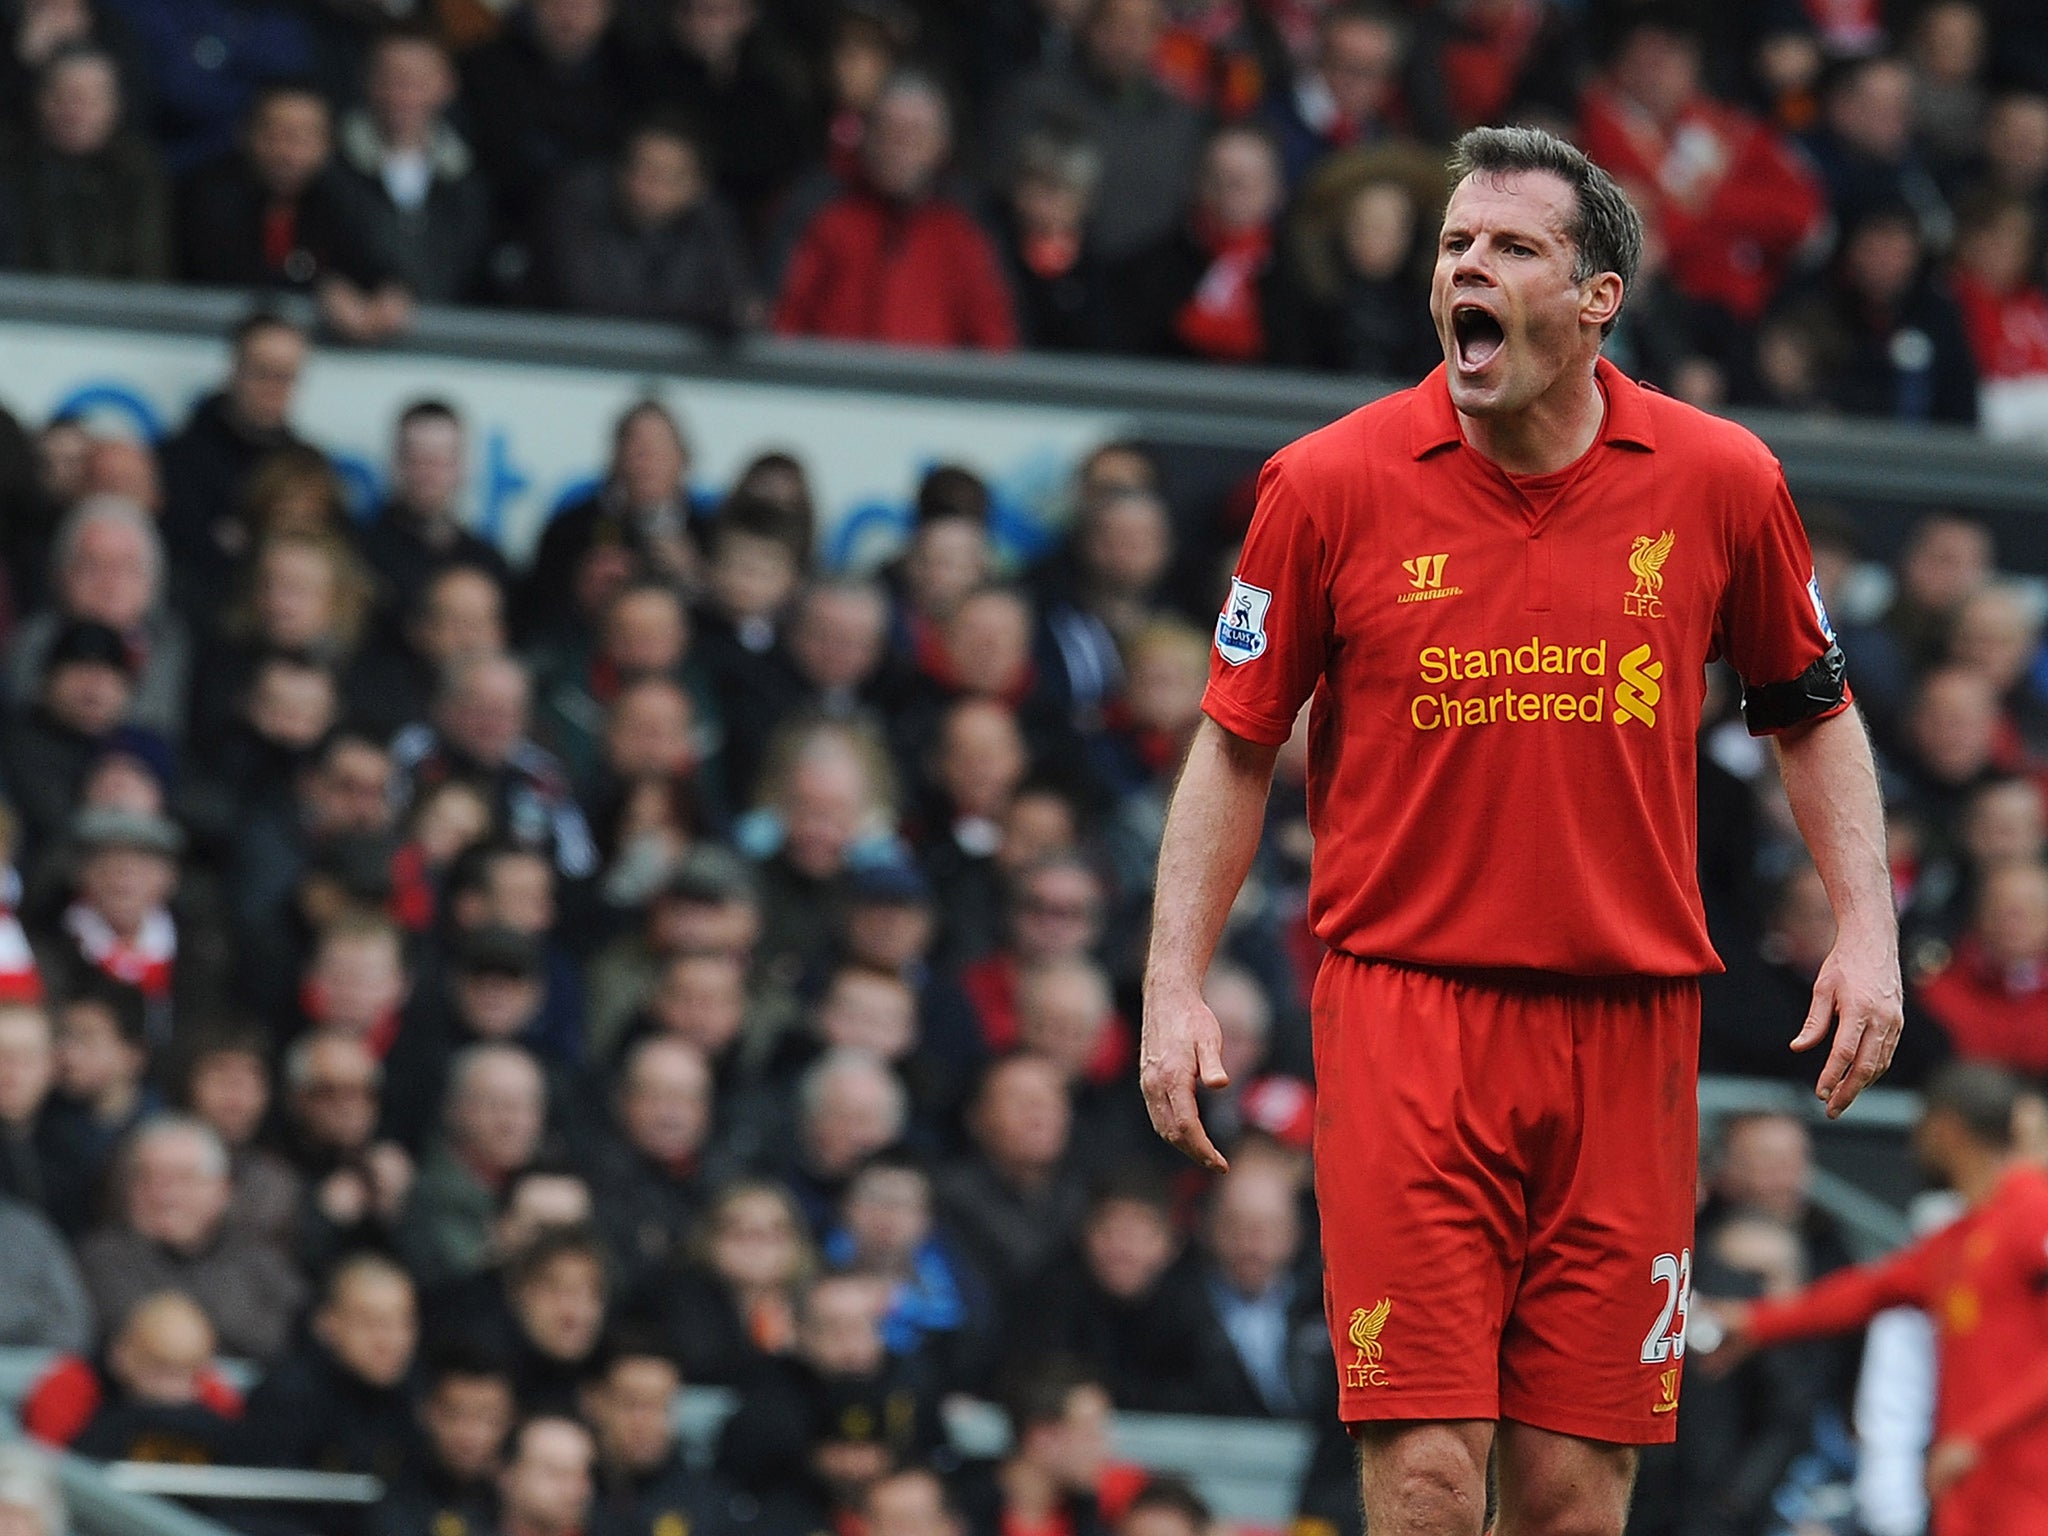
(1859, 991)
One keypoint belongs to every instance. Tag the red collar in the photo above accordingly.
(1433, 420)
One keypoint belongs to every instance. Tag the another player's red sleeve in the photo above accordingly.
(1773, 627)
(1273, 633)
(2020, 1396)
(1847, 1299)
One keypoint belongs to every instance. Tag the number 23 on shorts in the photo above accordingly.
(1666, 1338)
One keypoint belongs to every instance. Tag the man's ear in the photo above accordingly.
(1602, 301)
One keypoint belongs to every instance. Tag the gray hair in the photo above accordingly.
(844, 1061)
(107, 507)
(164, 1127)
(28, 1481)
(472, 1059)
(298, 1062)
(1605, 230)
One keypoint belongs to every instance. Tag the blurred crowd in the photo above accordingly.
(1845, 197)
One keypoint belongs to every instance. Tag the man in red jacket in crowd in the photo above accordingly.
(1733, 200)
(892, 259)
(1983, 1281)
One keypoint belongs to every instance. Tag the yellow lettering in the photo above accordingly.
(1553, 658)
(1432, 662)
(1423, 704)
(1499, 660)
(1596, 662)
(1589, 706)
(1567, 706)
(1533, 650)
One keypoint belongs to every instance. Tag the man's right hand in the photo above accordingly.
(1731, 1319)
(1181, 1050)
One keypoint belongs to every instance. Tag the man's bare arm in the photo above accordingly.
(1832, 784)
(1212, 832)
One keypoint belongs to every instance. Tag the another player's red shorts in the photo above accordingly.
(1505, 1165)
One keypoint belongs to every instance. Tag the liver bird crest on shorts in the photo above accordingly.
(1365, 1331)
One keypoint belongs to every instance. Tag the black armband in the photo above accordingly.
(1776, 706)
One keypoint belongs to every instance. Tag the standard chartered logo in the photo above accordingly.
(1533, 681)
(1638, 691)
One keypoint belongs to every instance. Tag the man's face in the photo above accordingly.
(230, 1091)
(1123, 39)
(295, 595)
(1059, 913)
(714, 29)
(1077, 1448)
(427, 469)
(662, 179)
(372, 1326)
(1061, 1016)
(1127, 1245)
(647, 733)
(1361, 60)
(561, 1307)
(1508, 311)
(1766, 1165)
(28, 1064)
(464, 616)
(982, 759)
(908, 140)
(521, 891)
(498, 1005)
(499, 1114)
(824, 805)
(110, 577)
(466, 1418)
(1255, 1231)
(358, 979)
(89, 697)
(546, 1489)
(335, 1103)
(665, 1106)
(631, 1411)
(645, 631)
(410, 85)
(1024, 1115)
(854, 1118)
(650, 462)
(909, 1504)
(486, 716)
(289, 143)
(266, 373)
(839, 1330)
(125, 885)
(889, 1215)
(568, 29)
(1240, 184)
(350, 792)
(79, 106)
(176, 1195)
(702, 999)
(291, 706)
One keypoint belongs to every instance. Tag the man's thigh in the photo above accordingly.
(1553, 1482)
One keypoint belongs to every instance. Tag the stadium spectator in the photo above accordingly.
(545, 1487)
(208, 462)
(1058, 1471)
(1763, 1166)
(1348, 95)
(125, 919)
(419, 530)
(728, 1301)
(1016, 1200)
(1148, 138)
(43, 1303)
(556, 1295)
(172, 1233)
(651, 1158)
(464, 1412)
(492, 1124)
(646, 238)
(550, 91)
(1214, 287)
(720, 64)
(849, 1106)
(639, 520)
(1122, 1300)
(202, 75)
(108, 567)
(478, 729)
(1360, 252)
(1097, 590)
(708, 905)
(67, 723)
(226, 1084)
(275, 215)
(154, 1392)
(1474, 62)
(1058, 277)
(1733, 203)
(459, 616)
(1988, 1000)
(542, 1196)
(894, 258)
(411, 176)
(644, 1484)
(1264, 1351)
(2015, 159)
(2006, 312)
(342, 1401)
(815, 1428)
(83, 195)
(46, 1155)
(1866, 151)
(910, 1500)
(1947, 50)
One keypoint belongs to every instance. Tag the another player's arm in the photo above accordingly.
(1212, 832)
(1842, 1301)
(1831, 781)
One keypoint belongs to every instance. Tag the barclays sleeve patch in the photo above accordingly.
(1241, 627)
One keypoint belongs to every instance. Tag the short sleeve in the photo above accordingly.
(1774, 627)
(1273, 632)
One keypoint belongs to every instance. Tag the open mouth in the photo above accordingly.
(1479, 336)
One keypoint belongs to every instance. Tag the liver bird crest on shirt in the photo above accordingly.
(1646, 559)
(1365, 1331)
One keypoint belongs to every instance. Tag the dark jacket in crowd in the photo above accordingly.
(206, 464)
(532, 120)
(104, 215)
(690, 271)
(311, 1411)
(439, 248)
(235, 233)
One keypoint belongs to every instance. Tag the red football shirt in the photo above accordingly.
(1508, 673)
(1984, 1282)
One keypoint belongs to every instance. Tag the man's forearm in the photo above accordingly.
(1212, 832)
(1831, 782)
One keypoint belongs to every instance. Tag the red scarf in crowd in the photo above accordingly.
(1222, 320)
(144, 962)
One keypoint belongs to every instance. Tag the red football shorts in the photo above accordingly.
(1505, 1166)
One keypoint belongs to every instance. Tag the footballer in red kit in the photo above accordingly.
(1501, 590)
